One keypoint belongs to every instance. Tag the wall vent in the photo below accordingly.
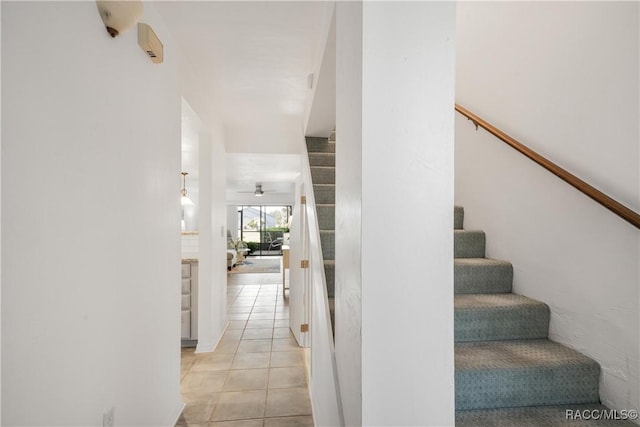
(150, 43)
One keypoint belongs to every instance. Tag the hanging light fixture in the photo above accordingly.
(184, 200)
(258, 191)
(119, 16)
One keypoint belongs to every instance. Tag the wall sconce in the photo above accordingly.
(119, 16)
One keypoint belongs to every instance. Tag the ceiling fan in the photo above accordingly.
(258, 192)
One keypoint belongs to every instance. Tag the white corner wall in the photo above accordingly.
(563, 77)
(394, 177)
(90, 220)
(212, 280)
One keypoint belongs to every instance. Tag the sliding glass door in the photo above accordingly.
(264, 228)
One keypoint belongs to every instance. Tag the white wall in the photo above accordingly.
(212, 280)
(212, 166)
(565, 82)
(395, 87)
(232, 220)
(90, 214)
(275, 199)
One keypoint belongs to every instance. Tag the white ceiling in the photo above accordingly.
(253, 61)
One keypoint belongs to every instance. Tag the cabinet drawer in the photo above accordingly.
(186, 324)
(186, 286)
(186, 302)
(186, 270)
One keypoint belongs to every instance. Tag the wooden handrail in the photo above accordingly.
(614, 206)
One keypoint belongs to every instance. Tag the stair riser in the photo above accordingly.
(325, 194)
(323, 175)
(320, 145)
(572, 384)
(326, 217)
(322, 159)
(482, 279)
(458, 218)
(330, 274)
(328, 242)
(512, 323)
(468, 244)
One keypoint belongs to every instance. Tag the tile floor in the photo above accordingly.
(256, 375)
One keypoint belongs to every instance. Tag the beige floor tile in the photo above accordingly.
(281, 315)
(239, 423)
(281, 323)
(264, 309)
(238, 316)
(200, 397)
(240, 309)
(285, 359)
(236, 324)
(288, 401)
(259, 324)
(261, 316)
(243, 300)
(251, 360)
(232, 334)
(227, 346)
(254, 346)
(246, 379)
(291, 377)
(282, 333)
(203, 382)
(238, 405)
(212, 362)
(306, 421)
(257, 334)
(271, 303)
(284, 344)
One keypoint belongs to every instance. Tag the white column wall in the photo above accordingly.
(563, 77)
(212, 280)
(394, 174)
(91, 221)
(219, 319)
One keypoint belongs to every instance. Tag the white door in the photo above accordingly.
(298, 277)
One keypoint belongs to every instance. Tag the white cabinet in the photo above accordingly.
(189, 302)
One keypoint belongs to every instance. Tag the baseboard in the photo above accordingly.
(180, 409)
(207, 347)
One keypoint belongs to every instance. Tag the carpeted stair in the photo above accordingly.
(506, 370)
(322, 159)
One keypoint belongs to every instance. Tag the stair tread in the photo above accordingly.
(494, 302)
(535, 416)
(516, 354)
(481, 262)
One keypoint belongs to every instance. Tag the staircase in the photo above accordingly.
(507, 371)
(322, 159)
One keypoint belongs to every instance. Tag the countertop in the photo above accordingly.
(190, 257)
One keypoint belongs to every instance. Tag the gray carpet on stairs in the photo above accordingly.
(503, 358)
(322, 161)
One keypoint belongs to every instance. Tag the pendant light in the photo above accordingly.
(184, 200)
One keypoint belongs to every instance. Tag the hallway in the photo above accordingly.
(256, 375)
